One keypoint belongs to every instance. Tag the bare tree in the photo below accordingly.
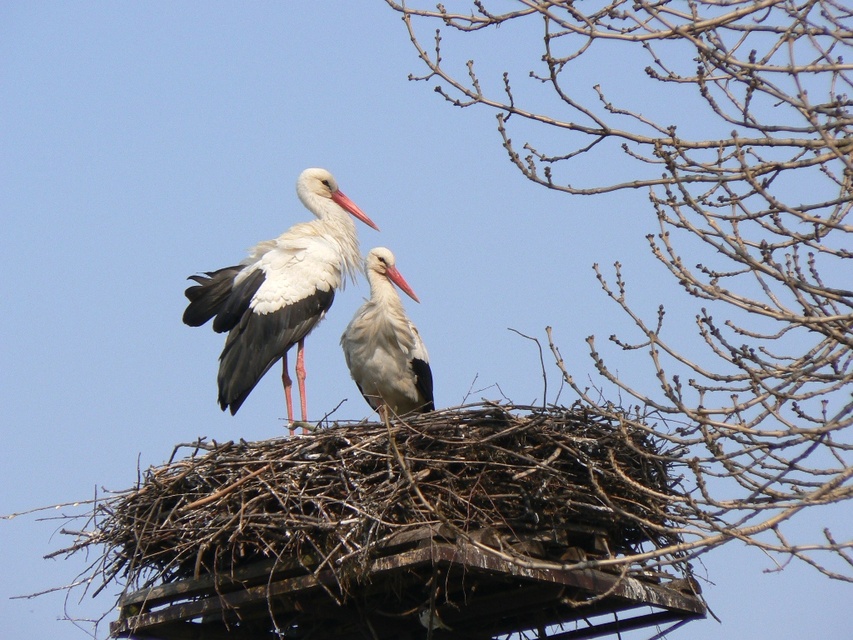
(760, 415)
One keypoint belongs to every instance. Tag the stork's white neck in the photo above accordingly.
(321, 206)
(338, 228)
(333, 223)
(383, 292)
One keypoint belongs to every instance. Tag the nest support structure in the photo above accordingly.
(475, 522)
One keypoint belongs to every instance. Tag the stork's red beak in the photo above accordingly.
(339, 198)
(397, 278)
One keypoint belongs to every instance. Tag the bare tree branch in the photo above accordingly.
(752, 209)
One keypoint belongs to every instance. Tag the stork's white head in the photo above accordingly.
(314, 186)
(381, 261)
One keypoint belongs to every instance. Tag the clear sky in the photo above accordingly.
(144, 142)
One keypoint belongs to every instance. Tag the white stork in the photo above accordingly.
(383, 349)
(279, 293)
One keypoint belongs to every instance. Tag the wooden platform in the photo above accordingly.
(424, 579)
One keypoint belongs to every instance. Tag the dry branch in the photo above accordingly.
(749, 184)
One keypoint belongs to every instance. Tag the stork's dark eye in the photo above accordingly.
(326, 182)
(383, 261)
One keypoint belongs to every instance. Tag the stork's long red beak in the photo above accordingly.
(397, 278)
(339, 198)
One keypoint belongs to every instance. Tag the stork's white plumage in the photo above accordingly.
(383, 349)
(280, 292)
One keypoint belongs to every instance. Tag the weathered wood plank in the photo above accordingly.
(624, 593)
(239, 577)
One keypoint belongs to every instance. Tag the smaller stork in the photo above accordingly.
(383, 349)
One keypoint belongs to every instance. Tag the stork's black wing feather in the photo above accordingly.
(258, 341)
(423, 381)
(237, 304)
(207, 297)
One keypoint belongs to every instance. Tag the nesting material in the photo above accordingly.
(330, 498)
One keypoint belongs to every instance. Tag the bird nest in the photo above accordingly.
(336, 495)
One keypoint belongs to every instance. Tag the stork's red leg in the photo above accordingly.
(288, 392)
(300, 379)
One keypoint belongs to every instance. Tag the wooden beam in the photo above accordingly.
(623, 592)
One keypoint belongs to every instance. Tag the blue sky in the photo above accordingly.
(144, 142)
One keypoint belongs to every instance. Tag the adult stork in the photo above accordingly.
(279, 293)
(383, 349)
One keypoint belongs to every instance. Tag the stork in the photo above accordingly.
(383, 349)
(279, 293)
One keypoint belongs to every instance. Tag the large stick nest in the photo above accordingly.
(338, 492)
